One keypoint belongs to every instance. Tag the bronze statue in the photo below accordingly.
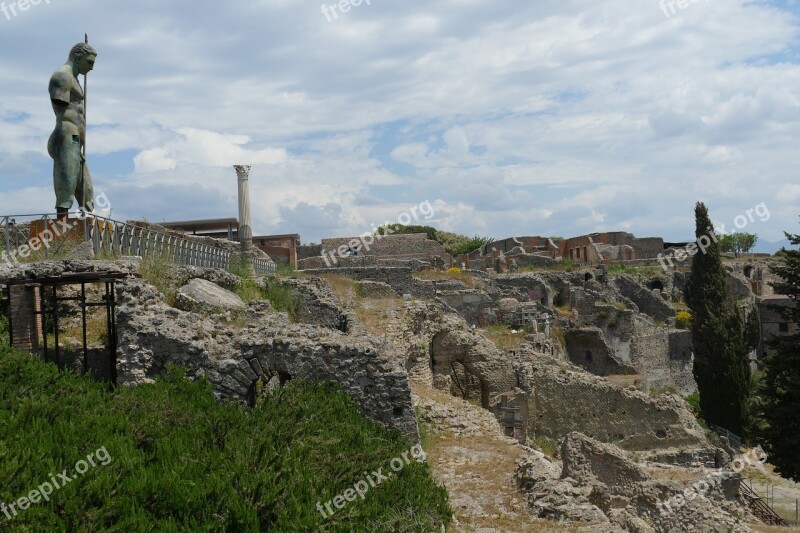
(67, 143)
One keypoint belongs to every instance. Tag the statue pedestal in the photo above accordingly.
(64, 234)
(57, 230)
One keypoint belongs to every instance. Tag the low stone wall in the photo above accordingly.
(398, 278)
(410, 246)
(353, 261)
(309, 250)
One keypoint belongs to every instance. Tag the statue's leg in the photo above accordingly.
(66, 169)
(84, 191)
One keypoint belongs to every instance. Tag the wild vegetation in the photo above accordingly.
(721, 369)
(181, 461)
(781, 384)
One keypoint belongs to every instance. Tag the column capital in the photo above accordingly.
(242, 171)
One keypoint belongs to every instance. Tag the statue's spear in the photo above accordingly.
(85, 106)
(85, 118)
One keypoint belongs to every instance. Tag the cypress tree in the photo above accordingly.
(721, 369)
(781, 390)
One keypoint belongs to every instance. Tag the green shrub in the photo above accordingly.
(694, 402)
(286, 271)
(282, 298)
(181, 461)
(669, 388)
(547, 446)
(157, 271)
(4, 334)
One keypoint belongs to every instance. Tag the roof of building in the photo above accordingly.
(286, 236)
(209, 224)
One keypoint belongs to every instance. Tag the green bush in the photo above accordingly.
(694, 403)
(3, 330)
(181, 461)
(282, 298)
(157, 271)
(286, 271)
(669, 388)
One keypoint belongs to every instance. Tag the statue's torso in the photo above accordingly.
(66, 96)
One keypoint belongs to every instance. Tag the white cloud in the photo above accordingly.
(492, 109)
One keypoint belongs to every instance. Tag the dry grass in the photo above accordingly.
(625, 381)
(96, 329)
(564, 311)
(344, 288)
(436, 275)
(761, 528)
(376, 315)
(503, 337)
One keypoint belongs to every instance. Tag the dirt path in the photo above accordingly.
(471, 457)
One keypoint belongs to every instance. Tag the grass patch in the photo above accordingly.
(451, 275)
(376, 314)
(157, 272)
(4, 334)
(282, 298)
(343, 287)
(502, 336)
(694, 403)
(286, 271)
(643, 271)
(564, 311)
(181, 461)
(669, 388)
(547, 446)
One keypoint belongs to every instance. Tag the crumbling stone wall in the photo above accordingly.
(415, 245)
(588, 349)
(152, 335)
(644, 298)
(525, 287)
(317, 303)
(309, 250)
(399, 278)
(563, 400)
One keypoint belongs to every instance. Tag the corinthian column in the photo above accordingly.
(245, 229)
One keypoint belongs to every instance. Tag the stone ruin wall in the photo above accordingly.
(415, 245)
(399, 278)
(152, 335)
(562, 401)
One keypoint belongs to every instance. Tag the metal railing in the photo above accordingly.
(45, 236)
(760, 508)
(735, 440)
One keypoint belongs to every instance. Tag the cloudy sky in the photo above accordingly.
(553, 117)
